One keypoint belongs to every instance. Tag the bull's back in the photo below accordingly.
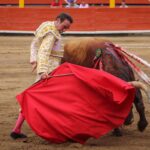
(82, 51)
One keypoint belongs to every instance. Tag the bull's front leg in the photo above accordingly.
(129, 118)
(117, 132)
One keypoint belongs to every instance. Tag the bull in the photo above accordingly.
(102, 54)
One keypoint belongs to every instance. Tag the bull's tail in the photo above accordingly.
(142, 86)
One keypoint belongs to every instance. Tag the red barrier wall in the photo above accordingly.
(91, 19)
(78, 1)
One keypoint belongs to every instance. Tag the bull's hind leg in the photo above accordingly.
(142, 123)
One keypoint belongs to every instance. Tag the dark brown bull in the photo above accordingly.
(101, 54)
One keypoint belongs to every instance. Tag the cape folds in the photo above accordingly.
(76, 103)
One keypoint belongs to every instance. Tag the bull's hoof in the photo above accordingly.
(117, 132)
(142, 125)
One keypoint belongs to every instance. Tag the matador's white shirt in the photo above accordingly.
(46, 43)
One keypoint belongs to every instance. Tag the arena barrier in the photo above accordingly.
(85, 20)
(78, 1)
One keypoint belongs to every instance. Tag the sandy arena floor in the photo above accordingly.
(15, 76)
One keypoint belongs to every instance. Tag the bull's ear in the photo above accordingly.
(98, 52)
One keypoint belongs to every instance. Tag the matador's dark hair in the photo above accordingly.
(64, 16)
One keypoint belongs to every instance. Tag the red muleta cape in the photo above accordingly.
(76, 103)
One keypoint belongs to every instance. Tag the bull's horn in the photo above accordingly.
(142, 86)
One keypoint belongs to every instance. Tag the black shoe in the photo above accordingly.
(17, 135)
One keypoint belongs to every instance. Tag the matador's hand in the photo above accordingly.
(44, 75)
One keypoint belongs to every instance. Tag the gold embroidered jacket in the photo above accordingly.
(47, 39)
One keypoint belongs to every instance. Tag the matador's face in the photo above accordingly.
(63, 26)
